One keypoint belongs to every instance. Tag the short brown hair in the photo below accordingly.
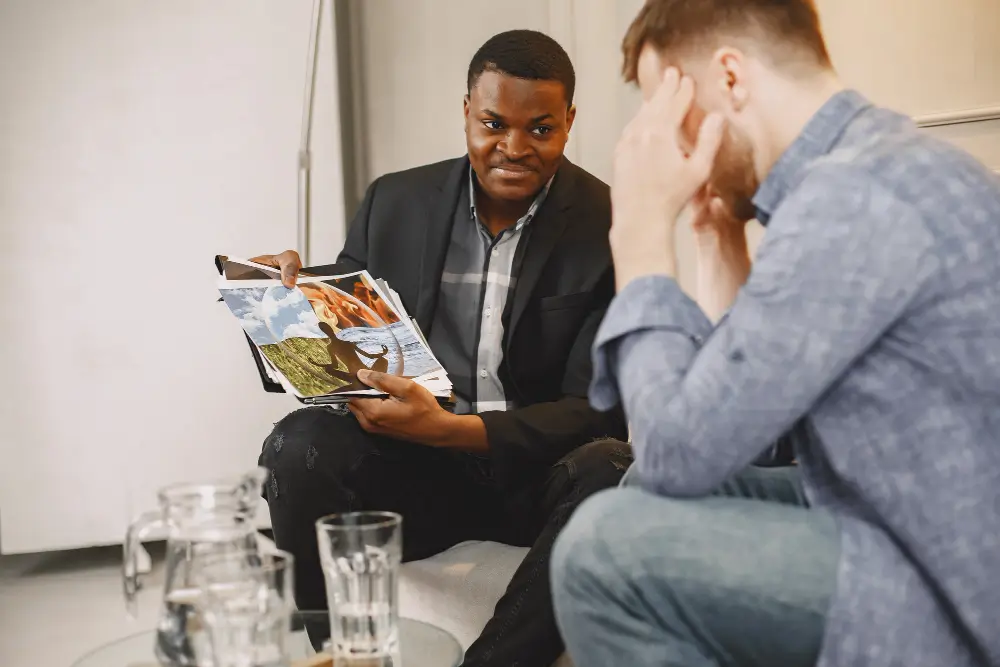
(679, 24)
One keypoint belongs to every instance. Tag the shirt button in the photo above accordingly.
(489, 311)
(496, 251)
(483, 374)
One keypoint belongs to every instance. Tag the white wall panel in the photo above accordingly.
(138, 139)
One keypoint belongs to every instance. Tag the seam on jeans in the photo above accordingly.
(534, 574)
(515, 611)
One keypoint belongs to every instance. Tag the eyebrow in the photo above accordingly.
(536, 119)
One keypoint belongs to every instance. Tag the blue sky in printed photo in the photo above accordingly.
(272, 314)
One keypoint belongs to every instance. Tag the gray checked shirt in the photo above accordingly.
(467, 330)
(869, 330)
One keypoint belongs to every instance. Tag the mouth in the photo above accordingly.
(512, 171)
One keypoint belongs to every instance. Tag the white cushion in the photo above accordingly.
(458, 588)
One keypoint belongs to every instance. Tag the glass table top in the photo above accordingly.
(421, 645)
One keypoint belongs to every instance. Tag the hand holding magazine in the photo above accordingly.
(314, 338)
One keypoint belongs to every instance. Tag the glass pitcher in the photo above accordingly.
(200, 520)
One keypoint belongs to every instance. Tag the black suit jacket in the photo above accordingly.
(565, 283)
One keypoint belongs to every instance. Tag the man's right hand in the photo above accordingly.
(723, 257)
(288, 262)
(711, 217)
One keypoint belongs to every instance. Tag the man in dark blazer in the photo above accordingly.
(502, 256)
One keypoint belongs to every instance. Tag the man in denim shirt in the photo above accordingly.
(868, 332)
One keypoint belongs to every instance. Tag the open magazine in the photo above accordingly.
(314, 338)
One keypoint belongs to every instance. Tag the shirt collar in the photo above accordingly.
(526, 218)
(818, 138)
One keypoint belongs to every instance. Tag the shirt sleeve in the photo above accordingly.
(842, 260)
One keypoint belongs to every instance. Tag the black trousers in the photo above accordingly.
(322, 463)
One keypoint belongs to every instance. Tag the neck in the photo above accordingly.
(499, 214)
(799, 101)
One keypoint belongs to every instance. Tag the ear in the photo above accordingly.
(570, 117)
(466, 107)
(733, 80)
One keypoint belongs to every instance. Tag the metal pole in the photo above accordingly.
(305, 147)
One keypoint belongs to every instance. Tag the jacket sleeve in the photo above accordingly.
(526, 441)
(354, 256)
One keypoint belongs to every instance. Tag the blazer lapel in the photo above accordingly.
(436, 240)
(546, 230)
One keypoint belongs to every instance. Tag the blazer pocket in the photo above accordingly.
(564, 301)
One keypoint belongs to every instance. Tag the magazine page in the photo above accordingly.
(368, 315)
(319, 334)
(393, 298)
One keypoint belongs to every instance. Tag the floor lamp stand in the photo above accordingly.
(305, 146)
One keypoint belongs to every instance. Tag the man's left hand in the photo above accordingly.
(655, 179)
(410, 413)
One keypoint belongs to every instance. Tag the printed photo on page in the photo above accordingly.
(322, 332)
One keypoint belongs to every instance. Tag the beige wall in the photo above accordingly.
(919, 56)
(923, 57)
(415, 54)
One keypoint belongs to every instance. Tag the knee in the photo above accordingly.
(581, 556)
(308, 441)
(599, 465)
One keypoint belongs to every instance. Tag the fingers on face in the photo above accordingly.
(709, 140)
(703, 197)
(677, 107)
(668, 87)
(665, 111)
(718, 207)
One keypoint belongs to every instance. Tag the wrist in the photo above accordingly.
(451, 431)
(627, 271)
(725, 248)
(440, 428)
(649, 257)
(732, 238)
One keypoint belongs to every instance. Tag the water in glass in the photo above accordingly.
(360, 554)
(246, 606)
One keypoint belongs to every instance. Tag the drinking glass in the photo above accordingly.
(360, 553)
(246, 602)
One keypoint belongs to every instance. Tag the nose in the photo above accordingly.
(515, 145)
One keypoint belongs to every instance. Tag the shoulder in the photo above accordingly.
(840, 200)
(885, 153)
(587, 196)
(584, 184)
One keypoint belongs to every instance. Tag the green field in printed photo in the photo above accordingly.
(290, 356)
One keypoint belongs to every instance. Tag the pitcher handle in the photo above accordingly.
(131, 583)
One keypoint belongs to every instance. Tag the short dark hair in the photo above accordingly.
(675, 25)
(524, 54)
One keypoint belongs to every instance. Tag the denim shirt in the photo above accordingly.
(869, 333)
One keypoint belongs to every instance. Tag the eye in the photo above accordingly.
(542, 130)
(493, 125)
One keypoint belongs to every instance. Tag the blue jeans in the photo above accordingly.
(740, 579)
